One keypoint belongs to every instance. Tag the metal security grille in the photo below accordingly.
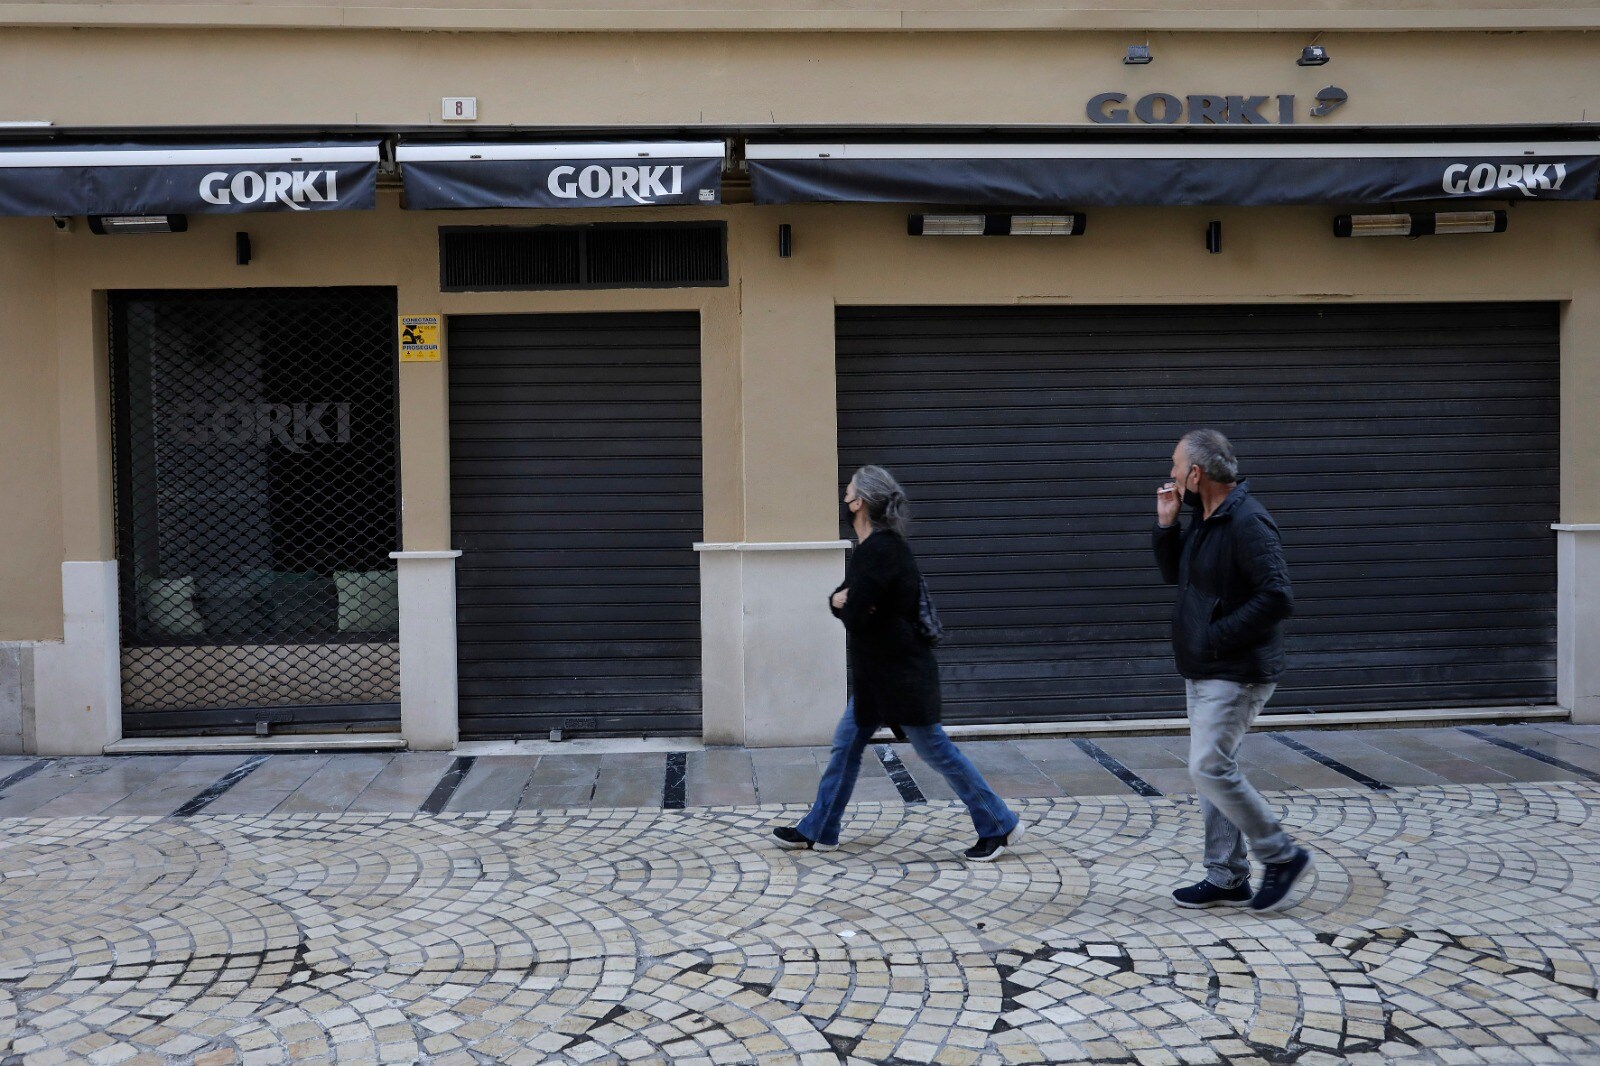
(257, 504)
(602, 256)
(1409, 453)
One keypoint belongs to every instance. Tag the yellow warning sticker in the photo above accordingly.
(419, 338)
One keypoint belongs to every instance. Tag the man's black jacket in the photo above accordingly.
(1233, 591)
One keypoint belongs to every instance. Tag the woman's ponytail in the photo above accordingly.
(886, 502)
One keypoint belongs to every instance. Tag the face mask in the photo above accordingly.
(847, 514)
(1191, 498)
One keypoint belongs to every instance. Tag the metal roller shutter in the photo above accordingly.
(576, 501)
(1409, 453)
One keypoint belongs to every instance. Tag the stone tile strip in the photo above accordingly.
(1523, 749)
(900, 774)
(675, 788)
(200, 802)
(1122, 773)
(22, 774)
(448, 784)
(1331, 763)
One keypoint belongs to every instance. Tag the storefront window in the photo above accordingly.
(257, 503)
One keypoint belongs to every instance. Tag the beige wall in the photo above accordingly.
(768, 343)
(229, 78)
(1580, 397)
(30, 467)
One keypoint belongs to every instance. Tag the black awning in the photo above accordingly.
(592, 174)
(149, 179)
(1089, 175)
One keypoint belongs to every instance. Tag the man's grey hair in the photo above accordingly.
(1211, 452)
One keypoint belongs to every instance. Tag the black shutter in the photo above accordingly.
(1409, 452)
(575, 489)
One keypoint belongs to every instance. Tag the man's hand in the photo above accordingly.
(1168, 501)
(840, 598)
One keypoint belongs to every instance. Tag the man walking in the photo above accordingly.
(1227, 637)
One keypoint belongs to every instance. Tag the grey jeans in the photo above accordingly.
(1219, 714)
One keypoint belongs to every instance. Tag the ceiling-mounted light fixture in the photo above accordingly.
(109, 224)
(1138, 55)
(1312, 55)
(1419, 224)
(1070, 225)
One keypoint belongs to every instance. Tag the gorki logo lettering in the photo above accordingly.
(1529, 179)
(292, 425)
(291, 188)
(641, 184)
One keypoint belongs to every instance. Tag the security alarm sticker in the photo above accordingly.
(419, 338)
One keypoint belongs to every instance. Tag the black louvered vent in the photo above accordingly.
(651, 255)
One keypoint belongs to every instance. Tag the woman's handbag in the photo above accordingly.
(929, 629)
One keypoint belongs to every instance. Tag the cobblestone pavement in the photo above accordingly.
(1450, 923)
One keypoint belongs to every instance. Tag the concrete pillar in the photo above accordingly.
(78, 680)
(773, 654)
(1578, 621)
(429, 716)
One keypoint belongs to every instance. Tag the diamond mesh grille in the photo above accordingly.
(257, 504)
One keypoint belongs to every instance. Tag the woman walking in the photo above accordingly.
(896, 678)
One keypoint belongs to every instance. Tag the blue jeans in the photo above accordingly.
(990, 815)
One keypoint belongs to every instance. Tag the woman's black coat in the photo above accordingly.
(893, 670)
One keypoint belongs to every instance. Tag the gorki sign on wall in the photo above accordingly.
(1211, 109)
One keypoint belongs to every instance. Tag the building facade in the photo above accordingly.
(479, 372)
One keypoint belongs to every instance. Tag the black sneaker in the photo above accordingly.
(1206, 894)
(988, 849)
(1278, 878)
(791, 838)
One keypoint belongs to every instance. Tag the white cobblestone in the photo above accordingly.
(1452, 924)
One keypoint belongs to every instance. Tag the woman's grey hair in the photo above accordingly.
(883, 498)
(1211, 452)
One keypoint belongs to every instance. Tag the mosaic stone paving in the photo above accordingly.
(1456, 924)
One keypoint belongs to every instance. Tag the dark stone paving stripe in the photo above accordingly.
(900, 774)
(1331, 763)
(448, 784)
(22, 774)
(1532, 753)
(1123, 774)
(675, 789)
(205, 799)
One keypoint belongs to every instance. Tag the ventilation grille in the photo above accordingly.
(479, 259)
